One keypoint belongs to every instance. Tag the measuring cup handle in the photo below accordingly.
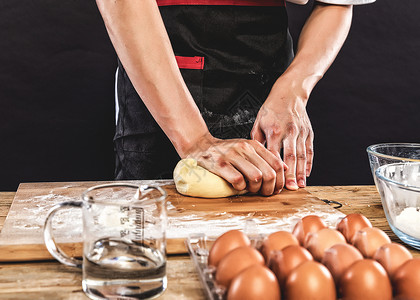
(49, 240)
(145, 188)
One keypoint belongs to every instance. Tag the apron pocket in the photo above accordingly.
(188, 62)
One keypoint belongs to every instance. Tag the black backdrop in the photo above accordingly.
(56, 92)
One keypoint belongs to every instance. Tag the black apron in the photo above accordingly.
(230, 53)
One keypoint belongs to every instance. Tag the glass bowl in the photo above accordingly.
(388, 153)
(399, 187)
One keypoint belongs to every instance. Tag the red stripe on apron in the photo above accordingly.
(188, 62)
(223, 2)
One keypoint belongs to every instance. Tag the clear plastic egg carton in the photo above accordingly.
(199, 245)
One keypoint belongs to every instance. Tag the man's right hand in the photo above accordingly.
(246, 164)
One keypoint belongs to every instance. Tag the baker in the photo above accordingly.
(217, 81)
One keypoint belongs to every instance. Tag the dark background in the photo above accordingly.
(57, 92)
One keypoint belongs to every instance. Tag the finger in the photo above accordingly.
(251, 173)
(228, 172)
(301, 161)
(273, 145)
(309, 153)
(289, 156)
(268, 173)
(279, 181)
(257, 134)
(271, 158)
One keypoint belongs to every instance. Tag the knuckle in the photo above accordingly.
(277, 165)
(219, 161)
(310, 131)
(272, 130)
(269, 176)
(290, 157)
(231, 151)
(242, 145)
(257, 177)
(309, 151)
(253, 187)
(253, 143)
(292, 129)
(256, 144)
(310, 155)
(301, 157)
(304, 131)
(237, 179)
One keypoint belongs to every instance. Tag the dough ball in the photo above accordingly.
(193, 180)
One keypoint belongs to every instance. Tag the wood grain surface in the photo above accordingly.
(52, 280)
(21, 238)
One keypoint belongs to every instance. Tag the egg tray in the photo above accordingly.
(199, 245)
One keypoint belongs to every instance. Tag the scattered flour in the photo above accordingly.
(182, 222)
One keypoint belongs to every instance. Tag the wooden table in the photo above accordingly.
(52, 280)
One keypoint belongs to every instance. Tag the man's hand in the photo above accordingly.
(246, 164)
(282, 123)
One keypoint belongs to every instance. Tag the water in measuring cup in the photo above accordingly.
(115, 269)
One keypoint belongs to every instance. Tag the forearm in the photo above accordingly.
(319, 43)
(140, 39)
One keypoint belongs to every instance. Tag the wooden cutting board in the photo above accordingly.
(21, 238)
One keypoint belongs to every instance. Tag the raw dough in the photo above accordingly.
(193, 180)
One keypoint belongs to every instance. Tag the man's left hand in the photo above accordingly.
(283, 123)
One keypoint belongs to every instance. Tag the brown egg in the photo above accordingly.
(306, 225)
(310, 280)
(406, 280)
(352, 223)
(235, 261)
(225, 243)
(338, 258)
(365, 279)
(318, 242)
(368, 240)
(391, 256)
(277, 241)
(254, 283)
(285, 261)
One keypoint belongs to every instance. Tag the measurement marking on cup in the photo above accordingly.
(124, 208)
(139, 224)
(124, 220)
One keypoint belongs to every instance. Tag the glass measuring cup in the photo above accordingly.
(124, 241)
